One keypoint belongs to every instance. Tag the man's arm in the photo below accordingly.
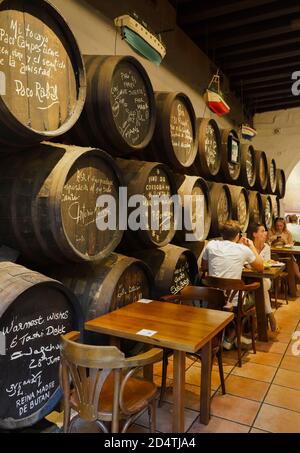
(258, 263)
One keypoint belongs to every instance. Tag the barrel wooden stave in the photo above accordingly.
(148, 178)
(272, 176)
(267, 211)
(261, 171)
(173, 268)
(221, 207)
(280, 183)
(119, 112)
(43, 98)
(34, 311)
(48, 203)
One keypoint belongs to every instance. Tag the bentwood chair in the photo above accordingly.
(215, 300)
(231, 288)
(99, 384)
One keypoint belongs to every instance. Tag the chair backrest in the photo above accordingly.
(231, 284)
(214, 298)
(91, 369)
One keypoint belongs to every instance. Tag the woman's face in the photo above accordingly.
(261, 234)
(279, 226)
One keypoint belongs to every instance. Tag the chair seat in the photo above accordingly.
(137, 395)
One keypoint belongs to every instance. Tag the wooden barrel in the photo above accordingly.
(208, 158)
(115, 282)
(173, 268)
(174, 139)
(49, 203)
(34, 311)
(275, 206)
(280, 183)
(42, 77)
(119, 112)
(221, 207)
(261, 171)
(196, 215)
(267, 211)
(240, 206)
(151, 180)
(255, 207)
(230, 156)
(272, 176)
(248, 166)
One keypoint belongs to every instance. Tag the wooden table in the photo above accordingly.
(289, 251)
(181, 328)
(272, 273)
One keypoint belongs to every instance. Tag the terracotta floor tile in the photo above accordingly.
(294, 349)
(276, 347)
(257, 431)
(246, 388)
(218, 425)
(283, 397)
(227, 368)
(192, 376)
(277, 420)
(255, 371)
(291, 363)
(234, 408)
(191, 397)
(282, 337)
(264, 358)
(287, 378)
(164, 418)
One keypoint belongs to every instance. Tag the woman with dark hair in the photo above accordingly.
(258, 234)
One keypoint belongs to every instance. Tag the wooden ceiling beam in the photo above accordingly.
(256, 60)
(261, 96)
(267, 86)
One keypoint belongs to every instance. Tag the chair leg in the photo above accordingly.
(285, 284)
(221, 372)
(152, 416)
(164, 377)
(276, 292)
(253, 334)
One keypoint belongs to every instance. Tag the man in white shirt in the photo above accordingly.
(294, 228)
(226, 259)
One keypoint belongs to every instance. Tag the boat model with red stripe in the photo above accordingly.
(214, 97)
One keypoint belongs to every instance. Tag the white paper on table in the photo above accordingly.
(145, 301)
(146, 332)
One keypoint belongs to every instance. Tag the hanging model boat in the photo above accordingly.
(140, 38)
(248, 132)
(214, 97)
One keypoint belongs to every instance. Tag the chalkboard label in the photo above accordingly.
(88, 178)
(37, 79)
(32, 326)
(182, 133)
(182, 275)
(130, 104)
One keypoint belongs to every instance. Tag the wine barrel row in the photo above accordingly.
(35, 311)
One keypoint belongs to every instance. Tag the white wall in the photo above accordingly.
(279, 136)
(185, 67)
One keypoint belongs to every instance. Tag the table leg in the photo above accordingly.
(206, 366)
(262, 324)
(178, 391)
(291, 278)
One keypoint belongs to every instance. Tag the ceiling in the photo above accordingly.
(255, 43)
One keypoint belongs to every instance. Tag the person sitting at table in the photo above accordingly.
(258, 234)
(226, 259)
(294, 227)
(279, 235)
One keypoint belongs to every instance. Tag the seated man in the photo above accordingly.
(226, 259)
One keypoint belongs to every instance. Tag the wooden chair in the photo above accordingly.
(98, 383)
(281, 283)
(215, 300)
(242, 313)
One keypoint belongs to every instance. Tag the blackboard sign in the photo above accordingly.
(182, 275)
(130, 103)
(31, 327)
(233, 149)
(182, 132)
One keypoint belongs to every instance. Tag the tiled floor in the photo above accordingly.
(262, 396)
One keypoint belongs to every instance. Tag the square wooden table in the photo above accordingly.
(179, 327)
(272, 273)
(288, 252)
